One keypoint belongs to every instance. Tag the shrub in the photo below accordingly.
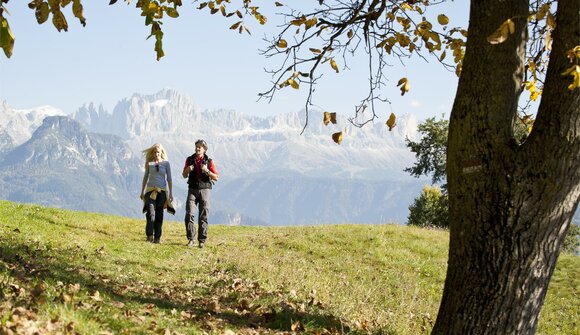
(572, 239)
(430, 209)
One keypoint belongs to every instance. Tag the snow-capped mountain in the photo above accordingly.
(247, 144)
(269, 172)
(17, 125)
(63, 165)
(168, 111)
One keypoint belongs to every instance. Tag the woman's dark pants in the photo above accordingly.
(154, 214)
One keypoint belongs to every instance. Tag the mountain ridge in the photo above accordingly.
(259, 159)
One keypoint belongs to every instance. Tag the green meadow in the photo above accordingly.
(67, 272)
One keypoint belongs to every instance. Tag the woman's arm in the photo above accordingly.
(144, 183)
(169, 182)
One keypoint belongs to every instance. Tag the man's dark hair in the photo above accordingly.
(202, 142)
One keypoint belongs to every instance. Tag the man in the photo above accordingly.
(200, 172)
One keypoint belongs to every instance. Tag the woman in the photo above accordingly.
(156, 181)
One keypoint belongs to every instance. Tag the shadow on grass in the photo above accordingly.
(227, 302)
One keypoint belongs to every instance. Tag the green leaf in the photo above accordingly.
(59, 21)
(42, 12)
(159, 45)
(78, 12)
(6, 37)
(442, 19)
(172, 12)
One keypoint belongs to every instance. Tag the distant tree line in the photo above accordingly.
(431, 208)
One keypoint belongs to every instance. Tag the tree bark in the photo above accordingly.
(510, 204)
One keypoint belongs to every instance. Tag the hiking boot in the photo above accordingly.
(156, 241)
(201, 244)
(150, 238)
(190, 243)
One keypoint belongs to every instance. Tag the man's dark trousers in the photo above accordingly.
(202, 199)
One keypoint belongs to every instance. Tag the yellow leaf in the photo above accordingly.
(391, 121)
(541, 14)
(282, 44)
(511, 26)
(235, 25)
(443, 54)
(405, 86)
(349, 34)
(573, 71)
(316, 51)
(310, 23)
(502, 33)
(297, 326)
(406, 6)
(573, 54)
(337, 137)
(548, 40)
(293, 83)
(551, 21)
(329, 117)
(442, 19)
(298, 22)
(333, 65)
(261, 19)
(96, 296)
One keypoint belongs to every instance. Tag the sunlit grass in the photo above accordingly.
(95, 274)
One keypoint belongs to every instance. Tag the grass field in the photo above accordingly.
(74, 272)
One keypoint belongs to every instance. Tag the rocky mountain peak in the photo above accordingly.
(19, 124)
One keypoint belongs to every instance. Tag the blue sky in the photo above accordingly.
(110, 59)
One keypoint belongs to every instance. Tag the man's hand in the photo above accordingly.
(204, 169)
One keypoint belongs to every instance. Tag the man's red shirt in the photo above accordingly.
(197, 166)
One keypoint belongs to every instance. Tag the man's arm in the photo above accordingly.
(212, 171)
(186, 169)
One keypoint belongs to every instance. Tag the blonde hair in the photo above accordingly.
(148, 153)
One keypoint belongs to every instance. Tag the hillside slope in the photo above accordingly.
(77, 272)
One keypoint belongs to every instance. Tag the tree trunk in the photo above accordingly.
(510, 204)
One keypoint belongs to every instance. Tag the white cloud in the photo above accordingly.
(415, 104)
